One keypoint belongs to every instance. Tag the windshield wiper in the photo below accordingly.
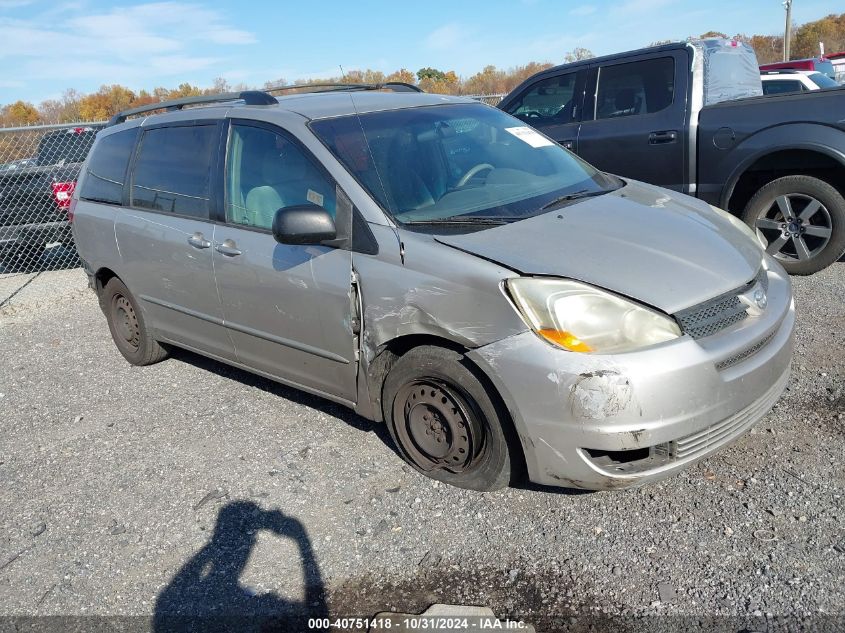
(458, 219)
(575, 195)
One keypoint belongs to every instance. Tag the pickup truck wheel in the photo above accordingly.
(445, 423)
(802, 221)
(127, 327)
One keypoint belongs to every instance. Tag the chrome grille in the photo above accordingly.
(715, 315)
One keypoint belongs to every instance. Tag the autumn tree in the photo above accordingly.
(403, 74)
(447, 83)
(362, 77)
(19, 113)
(518, 74)
(830, 31)
(430, 73)
(219, 86)
(281, 81)
(578, 54)
(185, 90)
(106, 102)
(490, 80)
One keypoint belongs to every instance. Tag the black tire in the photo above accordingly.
(445, 422)
(803, 245)
(127, 327)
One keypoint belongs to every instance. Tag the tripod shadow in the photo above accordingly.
(206, 595)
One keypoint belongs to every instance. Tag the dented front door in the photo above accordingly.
(288, 308)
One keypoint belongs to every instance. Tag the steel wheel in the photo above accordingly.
(125, 321)
(795, 227)
(436, 428)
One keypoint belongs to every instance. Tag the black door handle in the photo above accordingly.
(568, 144)
(660, 138)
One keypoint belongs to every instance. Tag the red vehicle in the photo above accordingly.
(819, 64)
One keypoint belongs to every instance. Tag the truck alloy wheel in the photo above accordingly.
(801, 220)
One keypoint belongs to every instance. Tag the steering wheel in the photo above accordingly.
(532, 114)
(472, 172)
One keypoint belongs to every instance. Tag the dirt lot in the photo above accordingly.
(190, 487)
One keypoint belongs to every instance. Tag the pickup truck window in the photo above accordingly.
(173, 168)
(635, 88)
(65, 146)
(106, 170)
(548, 101)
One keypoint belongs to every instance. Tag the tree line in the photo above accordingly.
(110, 99)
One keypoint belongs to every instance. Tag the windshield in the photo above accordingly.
(457, 162)
(822, 81)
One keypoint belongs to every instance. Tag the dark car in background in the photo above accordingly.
(35, 197)
(692, 117)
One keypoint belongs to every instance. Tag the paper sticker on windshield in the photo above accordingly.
(315, 198)
(532, 137)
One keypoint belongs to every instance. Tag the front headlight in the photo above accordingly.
(581, 318)
(742, 226)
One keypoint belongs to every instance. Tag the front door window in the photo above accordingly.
(267, 171)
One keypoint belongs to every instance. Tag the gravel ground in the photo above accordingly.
(192, 487)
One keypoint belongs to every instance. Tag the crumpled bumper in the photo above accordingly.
(616, 421)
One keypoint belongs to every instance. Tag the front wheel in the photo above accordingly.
(801, 220)
(446, 424)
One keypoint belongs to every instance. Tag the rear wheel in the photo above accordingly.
(127, 326)
(802, 221)
(446, 424)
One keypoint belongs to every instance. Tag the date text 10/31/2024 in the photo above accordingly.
(412, 624)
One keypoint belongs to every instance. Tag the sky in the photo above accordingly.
(49, 46)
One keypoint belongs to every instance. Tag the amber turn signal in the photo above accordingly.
(566, 340)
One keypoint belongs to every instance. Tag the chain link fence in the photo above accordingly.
(39, 166)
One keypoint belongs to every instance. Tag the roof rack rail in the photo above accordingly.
(250, 97)
(395, 86)
(258, 97)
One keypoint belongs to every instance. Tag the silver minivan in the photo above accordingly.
(435, 264)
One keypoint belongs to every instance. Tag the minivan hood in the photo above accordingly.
(659, 247)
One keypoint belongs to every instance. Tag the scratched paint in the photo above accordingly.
(600, 394)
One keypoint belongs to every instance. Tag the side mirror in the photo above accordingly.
(303, 224)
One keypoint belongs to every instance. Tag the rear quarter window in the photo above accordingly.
(173, 170)
(106, 171)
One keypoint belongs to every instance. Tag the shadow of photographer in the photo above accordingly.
(206, 594)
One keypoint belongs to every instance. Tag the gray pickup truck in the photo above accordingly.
(35, 195)
(691, 117)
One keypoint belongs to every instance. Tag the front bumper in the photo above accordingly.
(600, 422)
